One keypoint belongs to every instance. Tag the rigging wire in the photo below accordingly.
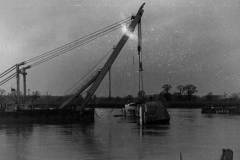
(7, 71)
(61, 53)
(87, 74)
(33, 59)
(7, 79)
(64, 50)
(75, 89)
(76, 41)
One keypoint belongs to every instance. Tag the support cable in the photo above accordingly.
(64, 50)
(7, 71)
(76, 41)
(7, 79)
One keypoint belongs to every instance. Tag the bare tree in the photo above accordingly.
(165, 92)
(166, 88)
(180, 88)
(2, 91)
(234, 96)
(35, 96)
(190, 89)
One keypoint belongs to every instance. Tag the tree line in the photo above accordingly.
(179, 95)
(185, 92)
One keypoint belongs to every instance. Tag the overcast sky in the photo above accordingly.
(184, 41)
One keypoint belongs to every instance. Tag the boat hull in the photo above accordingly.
(221, 110)
(156, 113)
(47, 116)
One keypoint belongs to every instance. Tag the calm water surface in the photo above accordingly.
(197, 136)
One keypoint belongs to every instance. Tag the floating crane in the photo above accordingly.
(149, 112)
(95, 80)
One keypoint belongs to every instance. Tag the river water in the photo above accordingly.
(195, 135)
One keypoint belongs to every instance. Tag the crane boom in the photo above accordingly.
(112, 57)
(83, 87)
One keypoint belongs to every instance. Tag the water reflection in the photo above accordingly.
(16, 137)
(84, 139)
(197, 136)
(24, 130)
(154, 130)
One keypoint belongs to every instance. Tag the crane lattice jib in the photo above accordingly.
(80, 90)
(112, 57)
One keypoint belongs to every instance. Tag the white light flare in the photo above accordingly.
(127, 32)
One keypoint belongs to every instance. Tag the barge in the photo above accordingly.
(221, 110)
(47, 116)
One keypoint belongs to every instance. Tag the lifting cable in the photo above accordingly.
(81, 41)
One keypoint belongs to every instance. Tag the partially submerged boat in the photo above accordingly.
(130, 109)
(153, 112)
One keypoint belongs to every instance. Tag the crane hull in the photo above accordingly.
(46, 116)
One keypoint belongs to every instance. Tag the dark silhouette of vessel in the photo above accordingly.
(153, 112)
(156, 113)
(47, 116)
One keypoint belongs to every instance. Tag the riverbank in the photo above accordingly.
(119, 102)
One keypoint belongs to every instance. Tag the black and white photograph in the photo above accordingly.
(119, 80)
